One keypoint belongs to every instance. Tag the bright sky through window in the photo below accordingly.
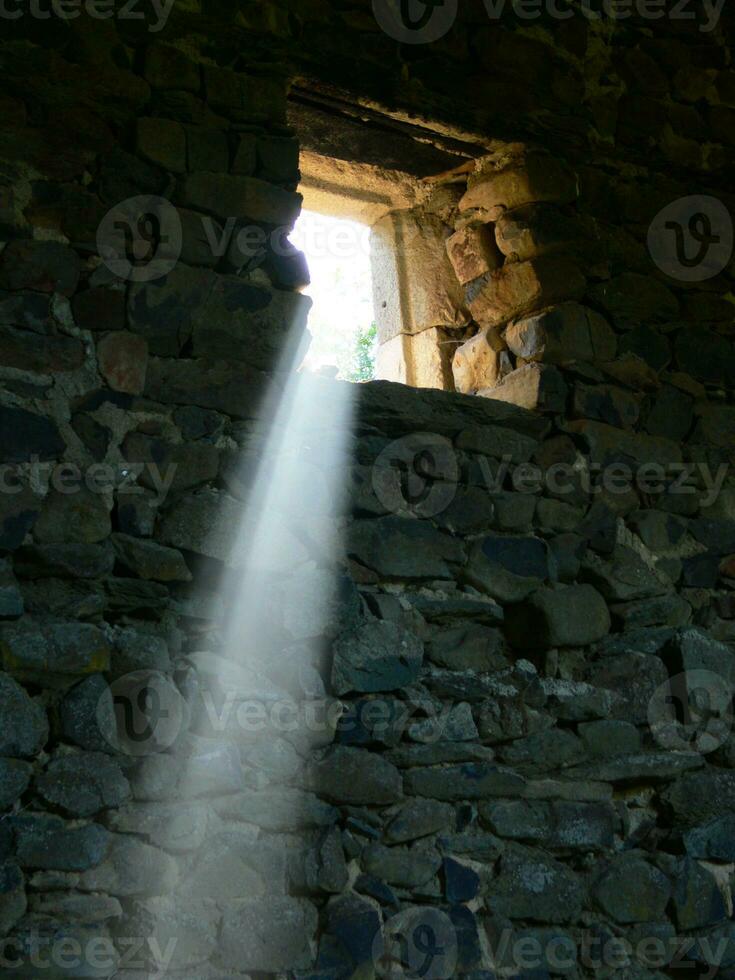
(341, 320)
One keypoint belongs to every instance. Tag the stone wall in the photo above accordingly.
(500, 774)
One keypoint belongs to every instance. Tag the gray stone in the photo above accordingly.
(633, 677)
(18, 513)
(240, 197)
(278, 808)
(454, 725)
(624, 577)
(530, 885)
(714, 841)
(698, 797)
(14, 779)
(83, 784)
(570, 616)
(402, 548)
(208, 523)
(472, 781)
(610, 738)
(73, 518)
(234, 864)
(325, 865)
(44, 841)
(347, 775)
(12, 897)
(172, 826)
(87, 716)
(182, 929)
(23, 724)
(559, 825)
(135, 649)
(632, 890)
(698, 901)
(693, 649)
(469, 646)
(406, 867)
(39, 650)
(238, 316)
(576, 700)
(150, 560)
(272, 937)
(74, 561)
(162, 310)
(542, 751)
(375, 656)
(43, 266)
(667, 610)
(419, 818)
(435, 753)
(232, 387)
(131, 869)
(650, 767)
(11, 598)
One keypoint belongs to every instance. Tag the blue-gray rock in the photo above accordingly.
(25, 435)
(131, 869)
(23, 723)
(272, 937)
(608, 737)
(83, 784)
(419, 818)
(347, 775)
(402, 548)
(376, 656)
(558, 825)
(12, 897)
(353, 928)
(569, 616)
(543, 751)
(698, 797)
(47, 842)
(38, 650)
(461, 883)
(632, 890)
(473, 781)
(87, 715)
(698, 900)
(714, 841)
(15, 776)
(11, 598)
(405, 867)
(531, 885)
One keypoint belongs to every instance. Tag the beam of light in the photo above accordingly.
(250, 717)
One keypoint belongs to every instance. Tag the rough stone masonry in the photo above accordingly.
(524, 765)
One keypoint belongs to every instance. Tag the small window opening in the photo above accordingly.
(342, 320)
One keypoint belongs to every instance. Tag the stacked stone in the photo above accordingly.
(538, 627)
(126, 402)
